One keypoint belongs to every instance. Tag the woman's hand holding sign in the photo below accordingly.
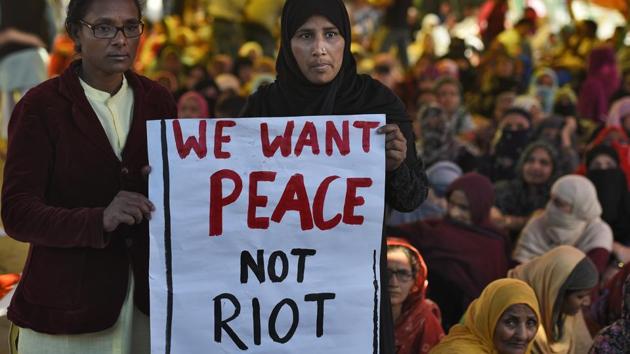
(395, 146)
(127, 208)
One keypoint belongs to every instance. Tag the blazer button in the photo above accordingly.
(124, 171)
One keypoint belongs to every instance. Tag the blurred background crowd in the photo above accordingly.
(521, 111)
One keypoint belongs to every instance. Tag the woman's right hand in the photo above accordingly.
(128, 208)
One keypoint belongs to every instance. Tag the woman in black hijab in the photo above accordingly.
(317, 75)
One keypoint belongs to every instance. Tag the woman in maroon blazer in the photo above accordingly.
(75, 189)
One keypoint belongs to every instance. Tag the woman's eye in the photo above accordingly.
(510, 323)
(532, 323)
(305, 36)
(103, 28)
(331, 34)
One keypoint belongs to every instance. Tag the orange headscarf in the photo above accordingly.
(7, 281)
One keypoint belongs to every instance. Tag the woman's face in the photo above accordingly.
(401, 278)
(575, 300)
(602, 162)
(189, 109)
(562, 205)
(448, 96)
(318, 50)
(515, 329)
(545, 80)
(504, 68)
(102, 56)
(538, 167)
(503, 101)
(459, 208)
(515, 122)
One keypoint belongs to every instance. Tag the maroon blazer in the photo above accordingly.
(60, 174)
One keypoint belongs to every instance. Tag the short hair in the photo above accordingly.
(447, 80)
(76, 11)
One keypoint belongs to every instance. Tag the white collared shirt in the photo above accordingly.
(113, 111)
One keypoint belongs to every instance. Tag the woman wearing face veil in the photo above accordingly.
(317, 76)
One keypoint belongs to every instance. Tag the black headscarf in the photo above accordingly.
(349, 93)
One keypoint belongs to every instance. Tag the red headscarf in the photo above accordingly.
(418, 329)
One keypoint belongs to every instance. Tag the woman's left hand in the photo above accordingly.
(395, 146)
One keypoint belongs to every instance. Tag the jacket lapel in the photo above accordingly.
(136, 139)
(83, 115)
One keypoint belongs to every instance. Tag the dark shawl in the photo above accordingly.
(462, 259)
(613, 195)
(349, 93)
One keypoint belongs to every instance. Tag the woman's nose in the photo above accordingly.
(521, 332)
(319, 47)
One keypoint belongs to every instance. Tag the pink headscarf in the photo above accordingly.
(619, 109)
(601, 82)
(203, 104)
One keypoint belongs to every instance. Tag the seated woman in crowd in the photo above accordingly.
(504, 319)
(562, 279)
(543, 86)
(464, 250)
(192, 105)
(518, 198)
(448, 91)
(606, 307)
(438, 140)
(511, 139)
(572, 217)
(616, 337)
(440, 176)
(560, 132)
(416, 319)
(602, 163)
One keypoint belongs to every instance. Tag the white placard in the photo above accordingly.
(267, 233)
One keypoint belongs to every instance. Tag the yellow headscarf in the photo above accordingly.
(546, 275)
(476, 334)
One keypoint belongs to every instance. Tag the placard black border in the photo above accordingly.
(167, 239)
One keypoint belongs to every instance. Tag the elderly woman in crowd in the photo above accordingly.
(562, 279)
(452, 246)
(572, 217)
(416, 319)
(504, 320)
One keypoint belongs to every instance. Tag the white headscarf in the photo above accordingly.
(582, 228)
